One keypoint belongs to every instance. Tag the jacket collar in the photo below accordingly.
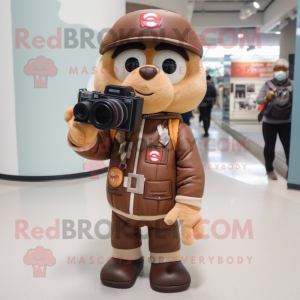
(162, 116)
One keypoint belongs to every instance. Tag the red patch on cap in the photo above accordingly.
(154, 156)
(150, 20)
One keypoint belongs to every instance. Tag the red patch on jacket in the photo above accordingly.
(154, 155)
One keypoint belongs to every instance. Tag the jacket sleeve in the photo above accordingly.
(100, 149)
(264, 92)
(190, 173)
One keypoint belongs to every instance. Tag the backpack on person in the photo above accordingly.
(281, 107)
(211, 94)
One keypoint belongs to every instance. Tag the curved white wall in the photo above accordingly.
(32, 129)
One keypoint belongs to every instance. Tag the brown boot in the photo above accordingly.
(169, 277)
(272, 176)
(121, 273)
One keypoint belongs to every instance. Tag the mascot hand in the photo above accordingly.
(190, 219)
(79, 134)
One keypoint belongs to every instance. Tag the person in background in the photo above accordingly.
(206, 105)
(277, 96)
(186, 117)
(220, 95)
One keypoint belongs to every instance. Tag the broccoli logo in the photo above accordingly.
(39, 258)
(40, 68)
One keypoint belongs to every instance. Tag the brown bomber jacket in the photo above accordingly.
(175, 176)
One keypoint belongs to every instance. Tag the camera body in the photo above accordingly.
(117, 108)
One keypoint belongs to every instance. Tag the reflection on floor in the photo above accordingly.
(260, 262)
(253, 131)
(220, 154)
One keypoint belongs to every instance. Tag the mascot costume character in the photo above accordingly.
(155, 174)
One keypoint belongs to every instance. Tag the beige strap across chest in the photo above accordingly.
(140, 179)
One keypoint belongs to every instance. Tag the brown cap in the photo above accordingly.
(152, 25)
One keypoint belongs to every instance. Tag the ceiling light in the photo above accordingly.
(283, 24)
(240, 36)
(293, 15)
(256, 4)
(278, 32)
(247, 11)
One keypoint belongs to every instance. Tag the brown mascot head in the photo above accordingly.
(158, 53)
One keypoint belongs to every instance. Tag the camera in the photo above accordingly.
(117, 108)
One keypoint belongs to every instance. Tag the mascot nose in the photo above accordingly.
(148, 72)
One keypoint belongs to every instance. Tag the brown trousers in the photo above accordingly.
(126, 239)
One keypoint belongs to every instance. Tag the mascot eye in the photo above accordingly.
(172, 64)
(128, 61)
(169, 66)
(131, 64)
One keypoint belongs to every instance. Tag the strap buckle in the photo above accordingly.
(140, 180)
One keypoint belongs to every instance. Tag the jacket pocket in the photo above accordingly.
(158, 190)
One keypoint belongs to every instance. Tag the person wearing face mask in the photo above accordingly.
(276, 95)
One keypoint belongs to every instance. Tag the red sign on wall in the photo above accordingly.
(252, 70)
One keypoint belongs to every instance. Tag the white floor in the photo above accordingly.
(269, 262)
(253, 131)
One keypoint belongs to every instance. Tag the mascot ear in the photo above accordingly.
(105, 72)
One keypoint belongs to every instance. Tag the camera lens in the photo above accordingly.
(108, 113)
(103, 114)
(81, 110)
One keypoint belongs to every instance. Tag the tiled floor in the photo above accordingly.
(263, 264)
